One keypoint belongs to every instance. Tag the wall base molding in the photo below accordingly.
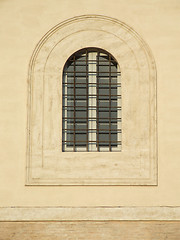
(108, 230)
(90, 213)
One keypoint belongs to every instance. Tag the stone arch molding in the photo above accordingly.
(137, 163)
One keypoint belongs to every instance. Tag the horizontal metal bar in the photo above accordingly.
(84, 129)
(90, 118)
(107, 61)
(91, 72)
(90, 107)
(102, 111)
(84, 83)
(100, 95)
(119, 142)
(84, 76)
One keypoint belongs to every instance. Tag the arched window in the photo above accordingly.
(91, 102)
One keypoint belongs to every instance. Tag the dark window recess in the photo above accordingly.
(91, 102)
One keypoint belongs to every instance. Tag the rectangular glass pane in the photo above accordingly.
(80, 68)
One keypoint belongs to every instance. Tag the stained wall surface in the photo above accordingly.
(88, 230)
(22, 24)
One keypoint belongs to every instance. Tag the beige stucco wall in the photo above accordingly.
(22, 24)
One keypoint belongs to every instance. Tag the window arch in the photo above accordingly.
(50, 164)
(91, 102)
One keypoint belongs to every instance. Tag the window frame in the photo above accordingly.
(91, 60)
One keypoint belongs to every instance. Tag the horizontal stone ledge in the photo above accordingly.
(89, 213)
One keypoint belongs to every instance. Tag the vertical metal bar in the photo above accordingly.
(119, 104)
(109, 103)
(74, 133)
(97, 103)
(65, 133)
(92, 100)
(87, 110)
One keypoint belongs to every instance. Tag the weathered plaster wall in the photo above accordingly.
(22, 24)
(90, 230)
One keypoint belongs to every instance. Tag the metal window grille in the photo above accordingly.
(91, 102)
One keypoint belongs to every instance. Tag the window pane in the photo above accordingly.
(80, 68)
